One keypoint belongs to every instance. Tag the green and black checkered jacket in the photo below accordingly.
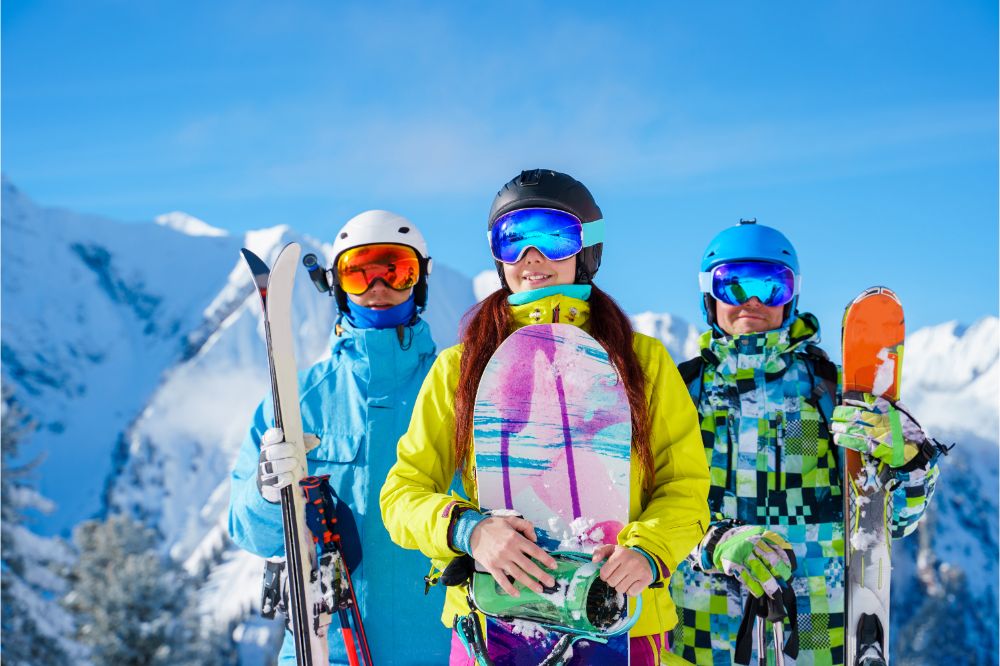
(772, 462)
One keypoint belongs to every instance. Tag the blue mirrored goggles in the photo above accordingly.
(736, 282)
(555, 233)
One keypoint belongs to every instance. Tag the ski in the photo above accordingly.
(309, 622)
(873, 333)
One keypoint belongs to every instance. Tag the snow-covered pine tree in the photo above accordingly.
(32, 624)
(134, 606)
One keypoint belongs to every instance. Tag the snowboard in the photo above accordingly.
(873, 332)
(552, 434)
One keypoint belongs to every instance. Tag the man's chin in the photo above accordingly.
(749, 328)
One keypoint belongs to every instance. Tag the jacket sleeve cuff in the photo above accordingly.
(460, 536)
(656, 565)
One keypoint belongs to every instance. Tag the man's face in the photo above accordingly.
(750, 317)
(380, 297)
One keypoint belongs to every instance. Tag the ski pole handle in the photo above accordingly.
(775, 609)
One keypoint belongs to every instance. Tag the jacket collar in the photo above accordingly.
(361, 345)
(766, 351)
(552, 309)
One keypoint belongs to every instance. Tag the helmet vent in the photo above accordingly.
(531, 177)
(404, 230)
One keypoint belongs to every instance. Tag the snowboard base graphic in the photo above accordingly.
(553, 432)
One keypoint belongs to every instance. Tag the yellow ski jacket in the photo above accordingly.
(417, 507)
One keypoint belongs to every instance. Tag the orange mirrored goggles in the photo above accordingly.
(396, 265)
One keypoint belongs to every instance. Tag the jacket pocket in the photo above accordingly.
(337, 448)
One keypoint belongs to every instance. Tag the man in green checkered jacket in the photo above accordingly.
(766, 394)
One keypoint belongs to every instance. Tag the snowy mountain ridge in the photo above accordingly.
(145, 374)
(951, 377)
(188, 224)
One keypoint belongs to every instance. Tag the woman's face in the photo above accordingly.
(533, 271)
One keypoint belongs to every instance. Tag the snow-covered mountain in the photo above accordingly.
(137, 348)
(947, 572)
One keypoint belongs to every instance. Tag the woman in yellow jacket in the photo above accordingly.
(543, 276)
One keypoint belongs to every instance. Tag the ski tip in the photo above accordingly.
(290, 252)
(872, 291)
(255, 263)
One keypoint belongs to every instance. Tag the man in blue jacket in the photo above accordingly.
(355, 406)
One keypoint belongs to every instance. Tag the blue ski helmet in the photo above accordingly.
(748, 241)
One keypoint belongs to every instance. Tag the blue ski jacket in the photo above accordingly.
(358, 403)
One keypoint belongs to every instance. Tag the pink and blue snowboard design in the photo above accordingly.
(553, 435)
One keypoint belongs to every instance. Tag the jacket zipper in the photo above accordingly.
(778, 481)
(730, 426)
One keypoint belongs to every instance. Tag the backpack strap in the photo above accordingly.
(691, 369)
(825, 381)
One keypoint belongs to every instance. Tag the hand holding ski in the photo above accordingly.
(885, 433)
(282, 463)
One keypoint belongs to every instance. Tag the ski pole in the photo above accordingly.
(356, 616)
(761, 633)
(776, 614)
(348, 634)
(779, 641)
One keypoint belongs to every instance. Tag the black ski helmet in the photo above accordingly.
(544, 188)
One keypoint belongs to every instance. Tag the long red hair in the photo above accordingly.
(489, 323)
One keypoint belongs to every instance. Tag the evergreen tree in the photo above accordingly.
(30, 623)
(135, 607)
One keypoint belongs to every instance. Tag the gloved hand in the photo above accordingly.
(280, 463)
(754, 554)
(879, 429)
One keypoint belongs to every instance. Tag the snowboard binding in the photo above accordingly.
(579, 605)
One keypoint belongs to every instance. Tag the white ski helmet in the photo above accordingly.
(380, 226)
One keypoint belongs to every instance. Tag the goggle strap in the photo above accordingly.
(593, 233)
(705, 282)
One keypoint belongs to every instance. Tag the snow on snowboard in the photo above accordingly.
(553, 432)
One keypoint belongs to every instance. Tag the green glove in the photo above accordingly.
(754, 554)
(876, 427)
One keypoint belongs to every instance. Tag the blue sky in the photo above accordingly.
(867, 132)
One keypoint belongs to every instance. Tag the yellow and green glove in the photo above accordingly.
(758, 557)
(879, 429)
